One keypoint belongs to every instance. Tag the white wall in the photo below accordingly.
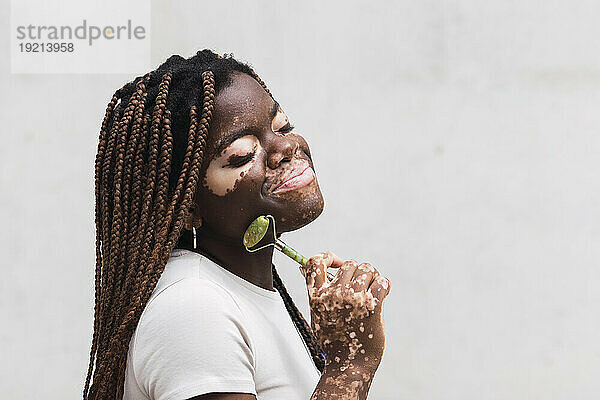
(456, 143)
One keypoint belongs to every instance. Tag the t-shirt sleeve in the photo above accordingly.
(192, 340)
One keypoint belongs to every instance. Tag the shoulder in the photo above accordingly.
(192, 339)
(193, 289)
(189, 300)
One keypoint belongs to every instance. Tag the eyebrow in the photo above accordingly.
(232, 137)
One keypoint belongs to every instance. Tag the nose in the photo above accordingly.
(284, 148)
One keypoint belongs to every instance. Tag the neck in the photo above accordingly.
(233, 256)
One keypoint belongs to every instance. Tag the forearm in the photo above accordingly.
(350, 384)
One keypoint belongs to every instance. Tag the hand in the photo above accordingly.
(347, 312)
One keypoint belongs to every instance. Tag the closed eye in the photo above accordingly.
(236, 161)
(286, 129)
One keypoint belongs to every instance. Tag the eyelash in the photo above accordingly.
(238, 161)
(286, 129)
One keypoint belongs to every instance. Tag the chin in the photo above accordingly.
(299, 208)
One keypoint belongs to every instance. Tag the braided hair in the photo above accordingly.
(147, 166)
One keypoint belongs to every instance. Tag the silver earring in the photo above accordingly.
(194, 232)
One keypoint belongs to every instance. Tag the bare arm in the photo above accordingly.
(351, 384)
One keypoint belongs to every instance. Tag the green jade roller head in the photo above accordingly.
(257, 231)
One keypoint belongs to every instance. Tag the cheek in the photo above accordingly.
(220, 181)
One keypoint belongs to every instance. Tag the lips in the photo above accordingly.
(301, 175)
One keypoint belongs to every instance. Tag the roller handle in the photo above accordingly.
(294, 255)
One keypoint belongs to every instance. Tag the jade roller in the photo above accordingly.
(258, 229)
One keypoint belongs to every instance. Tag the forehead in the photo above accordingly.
(243, 103)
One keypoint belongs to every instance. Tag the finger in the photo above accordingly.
(380, 288)
(315, 271)
(376, 275)
(332, 261)
(344, 275)
(363, 276)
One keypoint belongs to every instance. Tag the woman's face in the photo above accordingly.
(255, 164)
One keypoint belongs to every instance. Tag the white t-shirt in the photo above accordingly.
(206, 330)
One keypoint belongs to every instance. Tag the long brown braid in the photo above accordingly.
(147, 167)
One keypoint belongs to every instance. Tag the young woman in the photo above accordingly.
(188, 156)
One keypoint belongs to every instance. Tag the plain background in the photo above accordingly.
(455, 141)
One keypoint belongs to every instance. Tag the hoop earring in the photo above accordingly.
(194, 232)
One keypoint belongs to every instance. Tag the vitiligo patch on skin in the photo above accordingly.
(221, 177)
(348, 385)
(279, 121)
